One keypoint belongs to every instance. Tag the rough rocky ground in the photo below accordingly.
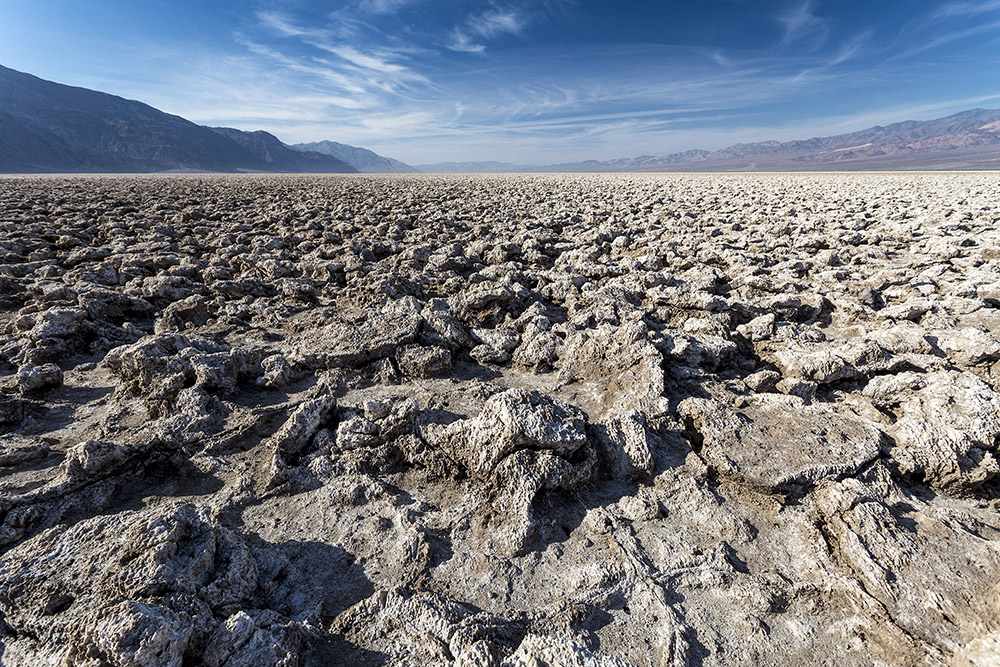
(594, 420)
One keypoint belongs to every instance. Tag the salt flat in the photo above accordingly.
(500, 420)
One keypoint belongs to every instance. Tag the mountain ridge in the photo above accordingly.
(965, 140)
(364, 160)
(968, 139)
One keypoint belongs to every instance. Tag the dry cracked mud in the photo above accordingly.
(500, 420)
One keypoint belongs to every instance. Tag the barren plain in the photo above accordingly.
(500, 420)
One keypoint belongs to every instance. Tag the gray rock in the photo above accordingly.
(763, 380)
(623, 360)
(155, 368)
(521, 443)
(277, 372)
(37, 378)
(423, 362)
(89, 459)
(513, 420)
(775, 444)
(132, 588)
(893, 551)
(947, 426)
(255, 638)
(484, 354)
(967, 347)
(502, 339)
(630, 445)
(802, 389)
(759, 328)
(296, 434)
(538, 353)
(339, 345)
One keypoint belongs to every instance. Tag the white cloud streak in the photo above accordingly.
(946, 38)
(952, 9)
(498, 22)
(383, 6)
(487, 26)
(800, 22)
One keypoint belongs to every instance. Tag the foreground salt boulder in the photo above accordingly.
(629, 445)
(521, 443)
(159, 368)
(894, 549)
(518, 420)
(622, 361)
(947, 426)
(429, 629)
(136, 588)
(340, 345)
(828, 362)
(289, 442)
(39, 378)
(777, 443)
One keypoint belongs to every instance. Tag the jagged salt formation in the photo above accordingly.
(595, 420)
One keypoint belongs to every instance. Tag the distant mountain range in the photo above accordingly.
(362, 159)
(490, 167)
(967, 140)
(50, 127)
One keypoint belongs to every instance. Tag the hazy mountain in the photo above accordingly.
(362, 159)
(281, 157)
(49, 127)
(967, 140)
(490, 167)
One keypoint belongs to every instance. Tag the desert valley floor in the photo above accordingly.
(500, 420)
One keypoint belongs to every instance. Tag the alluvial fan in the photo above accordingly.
(500, 420)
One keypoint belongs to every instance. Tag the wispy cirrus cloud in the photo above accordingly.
(464, 44)
(497, 22)
(376, 62)
(967, 8)
(383, 6)
(852, 49)
(801, 22)
(319, 73)
(358, 69)
(280, 25)
(487, 26)
(955, 34)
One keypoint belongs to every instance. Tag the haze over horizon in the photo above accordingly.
(525, 82)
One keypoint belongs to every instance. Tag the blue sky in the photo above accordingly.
(525, 81)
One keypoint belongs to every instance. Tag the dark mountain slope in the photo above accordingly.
(49, 127)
